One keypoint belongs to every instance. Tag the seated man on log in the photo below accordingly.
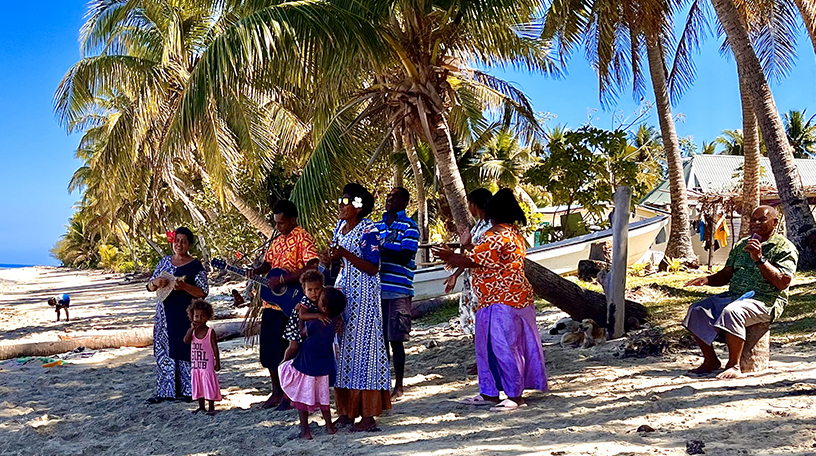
(758, 273)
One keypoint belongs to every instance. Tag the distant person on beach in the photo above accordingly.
(312, 283)
(399, 241)
(60, 302)
(363, 381)
(171, 322)
(509, 355)
(306, 376)
(295, 252)
(477, 204)
(205, 359)
(758, 272)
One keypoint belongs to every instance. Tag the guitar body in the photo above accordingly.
(286, 296)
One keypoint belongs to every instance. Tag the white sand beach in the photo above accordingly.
(93, 404)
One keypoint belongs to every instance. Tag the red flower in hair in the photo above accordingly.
(238, 255)
(171, 236)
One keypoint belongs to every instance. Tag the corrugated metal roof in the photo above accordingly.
(720, 172)
(706, 173)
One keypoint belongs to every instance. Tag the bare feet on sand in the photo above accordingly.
(396, 394)
(330, 429)
(343, 421)
(366, 424)
(307, 435)
(729, 373)
(706, 368)
(273, 401)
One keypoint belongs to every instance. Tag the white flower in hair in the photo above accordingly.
(358, 202)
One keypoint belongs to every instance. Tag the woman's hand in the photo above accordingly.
(180, 285)
(450, 283)
(464, 236)
(443, 252)
(160, 282)
(217, 364)
(338, 252)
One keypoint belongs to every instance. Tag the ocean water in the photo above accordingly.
(10, 266)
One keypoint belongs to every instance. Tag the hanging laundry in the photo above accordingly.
(721, 232)
(701, 230)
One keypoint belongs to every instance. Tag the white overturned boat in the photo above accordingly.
(561, 257)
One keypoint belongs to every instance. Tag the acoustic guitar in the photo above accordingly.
(286, 296)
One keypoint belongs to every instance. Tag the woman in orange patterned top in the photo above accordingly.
(509, 356)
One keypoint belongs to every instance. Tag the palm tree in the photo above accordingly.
(732, 141)
(616, 34)
(137, 57)
(395, 66)
(801, 133)
(798, 218)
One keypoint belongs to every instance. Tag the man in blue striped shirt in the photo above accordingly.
(399, 240)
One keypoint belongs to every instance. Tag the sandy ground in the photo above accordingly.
(94, 403)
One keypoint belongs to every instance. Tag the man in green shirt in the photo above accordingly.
(758, 273)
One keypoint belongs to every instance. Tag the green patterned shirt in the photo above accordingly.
(780, 252)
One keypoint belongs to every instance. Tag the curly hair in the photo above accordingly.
(312, 276)
(200, 304)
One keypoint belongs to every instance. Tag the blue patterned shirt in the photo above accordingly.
(400, 239)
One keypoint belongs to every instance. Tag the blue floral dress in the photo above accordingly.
(362, 362)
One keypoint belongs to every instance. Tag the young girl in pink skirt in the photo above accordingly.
(204, 356)
(306, 378)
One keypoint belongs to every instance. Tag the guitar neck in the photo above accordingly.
(259, 279)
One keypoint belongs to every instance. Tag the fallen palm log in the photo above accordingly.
(141, 337)
(573, 299)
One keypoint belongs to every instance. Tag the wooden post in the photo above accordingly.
(616, 292)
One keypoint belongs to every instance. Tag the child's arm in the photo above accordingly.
(305, 316)
(188, 338)
(216, 354)
(291, 350)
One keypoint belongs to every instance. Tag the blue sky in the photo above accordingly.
(37, 159)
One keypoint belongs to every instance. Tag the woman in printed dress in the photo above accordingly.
(477, 203)
(509, 356)
(171, 321)
(363, 380)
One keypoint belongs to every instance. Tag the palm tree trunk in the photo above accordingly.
(129, 245)
(258, 221)
(399, 170)
(807, 9)
(435, 129)
(750, 174)
(254, 217)
(422, 199)
(798, 218)
(679, 245)
(151, 243)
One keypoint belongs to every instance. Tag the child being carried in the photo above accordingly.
(305, 379)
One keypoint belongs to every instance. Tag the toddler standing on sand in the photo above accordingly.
(306, 379)
(204, 356)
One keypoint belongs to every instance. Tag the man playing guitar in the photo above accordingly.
(295, 252)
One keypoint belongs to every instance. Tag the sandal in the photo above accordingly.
(507, 404)
(476, 400)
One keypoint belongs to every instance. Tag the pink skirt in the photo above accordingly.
(205, 385)
(306, 392)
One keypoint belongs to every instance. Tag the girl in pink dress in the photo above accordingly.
(204, 356)
(306, 378)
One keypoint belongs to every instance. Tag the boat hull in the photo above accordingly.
(560, 257)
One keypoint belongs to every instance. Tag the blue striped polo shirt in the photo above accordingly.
(401, 235)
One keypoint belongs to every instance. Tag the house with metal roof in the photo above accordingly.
(714, 173)
(723, 173)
